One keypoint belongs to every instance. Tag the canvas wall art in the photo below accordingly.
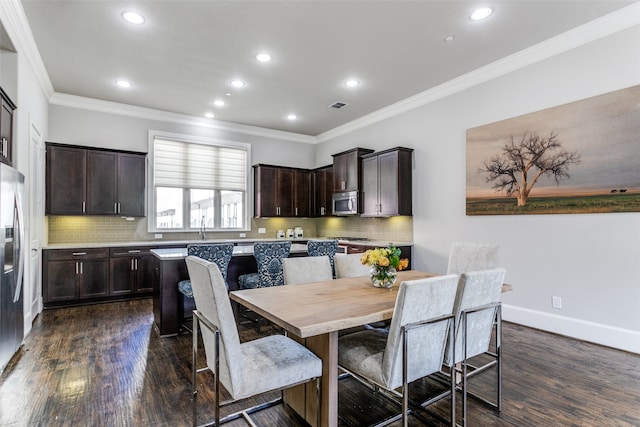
(581, 157)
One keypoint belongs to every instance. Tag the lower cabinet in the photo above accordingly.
(130, 271)
(71, 275)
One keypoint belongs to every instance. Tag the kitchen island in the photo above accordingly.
(169, 268)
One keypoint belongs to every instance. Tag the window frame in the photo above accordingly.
(186, 226)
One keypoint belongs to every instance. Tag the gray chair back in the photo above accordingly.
(306, 269)
(476, 289)
(472, 257)
(323, 247)
(350, 266)
(426, 345)
(212, 300)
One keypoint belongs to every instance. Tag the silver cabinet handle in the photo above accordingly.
(84, 206)
(132, 265)
(296, 211)
(119, 210)
(77, 269)
(134, 251)
(136, 263)
(81, 265)
(79, 253)
(4, 146)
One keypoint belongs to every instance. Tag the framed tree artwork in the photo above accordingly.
(581, 157)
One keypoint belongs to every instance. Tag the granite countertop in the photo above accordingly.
(241, 250)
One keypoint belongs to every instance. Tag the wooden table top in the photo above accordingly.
(321, 307)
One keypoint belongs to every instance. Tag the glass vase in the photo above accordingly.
(383, 277)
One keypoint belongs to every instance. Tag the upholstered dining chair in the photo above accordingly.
(269, 256)
(414, 346)
(323, 247)
(220, 254)
(246, 369)
(465, 257)
(350, 266)
(306, 269)
(478, 311)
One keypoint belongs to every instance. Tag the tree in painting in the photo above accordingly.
(519, 166)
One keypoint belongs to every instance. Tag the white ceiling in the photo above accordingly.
(182, 58)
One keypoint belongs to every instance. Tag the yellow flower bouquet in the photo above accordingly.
(385, 263)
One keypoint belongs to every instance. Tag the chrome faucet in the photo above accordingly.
(202, 232)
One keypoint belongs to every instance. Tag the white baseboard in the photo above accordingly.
(610, 336)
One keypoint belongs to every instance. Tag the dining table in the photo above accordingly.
(314, 314)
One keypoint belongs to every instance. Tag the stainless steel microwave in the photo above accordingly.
(345, 203)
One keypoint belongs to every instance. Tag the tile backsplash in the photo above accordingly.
(106, 229)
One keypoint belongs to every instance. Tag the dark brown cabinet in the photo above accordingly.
(130, 271)
(386, 183)
(6, 128)
(281, 191)
(347, 174)
(94, 182)
(75, 274)
(323, 190)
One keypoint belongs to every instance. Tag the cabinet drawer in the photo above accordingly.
(80, 253)
(129, 251)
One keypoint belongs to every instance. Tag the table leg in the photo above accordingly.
(326, 347)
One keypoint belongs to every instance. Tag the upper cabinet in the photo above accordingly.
(323, 190)
(6, 128)
(347, 174)
(386, 183)
(85, 181)
(281, 191)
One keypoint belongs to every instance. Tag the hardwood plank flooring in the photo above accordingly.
(104, 365)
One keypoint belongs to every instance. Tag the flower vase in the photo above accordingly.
(383, 277)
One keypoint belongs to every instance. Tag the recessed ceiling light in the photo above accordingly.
(449, 39)
(351, 83)
(236, 83)
(227, 94)
(123, 84)
(292, 117)
(209, 115)
(263, 57)
(218, 102)
(133, 17)
(481, 13)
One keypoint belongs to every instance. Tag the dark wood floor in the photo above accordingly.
(104, 365)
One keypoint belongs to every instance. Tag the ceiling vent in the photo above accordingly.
(338, 105)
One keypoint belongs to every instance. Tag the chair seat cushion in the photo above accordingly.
(275, 362)
(362, 353)
(184, 286)
(249, 281)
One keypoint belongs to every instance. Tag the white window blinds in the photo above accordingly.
(192, 165)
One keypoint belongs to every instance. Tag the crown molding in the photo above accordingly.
(18, 28)
(594, 30)
(92, 104)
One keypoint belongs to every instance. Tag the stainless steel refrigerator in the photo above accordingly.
(11, 263)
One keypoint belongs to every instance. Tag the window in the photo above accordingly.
(197, 183)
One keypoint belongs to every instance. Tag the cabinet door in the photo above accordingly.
(122, 275)
(6, 132)
(285, 193)
(388, 183)
(265, 178)
(130, 184)
(370, 178)
(66, 184)
(94, 278)
(101, 182)
(323, 189)
(302, 194)
(340, 173)
(61, 281)
(144, 270)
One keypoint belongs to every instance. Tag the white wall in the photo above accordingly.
(77, 126)
(591, 261)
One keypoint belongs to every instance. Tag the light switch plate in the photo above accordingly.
(262, 230)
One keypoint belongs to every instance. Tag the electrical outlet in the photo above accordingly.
(556, 302)
(243, 234)
(262, 230)
(157, 236)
